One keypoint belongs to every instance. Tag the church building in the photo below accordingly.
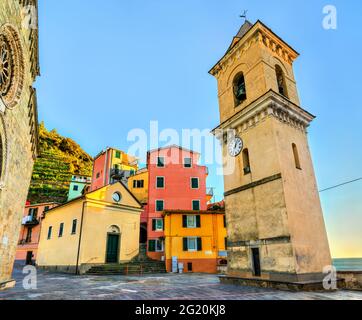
(276, 231)
(19, 66)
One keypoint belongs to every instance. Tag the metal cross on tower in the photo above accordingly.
(243, 16)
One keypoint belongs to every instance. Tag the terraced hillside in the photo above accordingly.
(59, 158)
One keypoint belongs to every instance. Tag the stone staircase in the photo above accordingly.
(139, 265)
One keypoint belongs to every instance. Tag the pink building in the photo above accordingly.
(30, 231)
(176, 182)
(112, 165)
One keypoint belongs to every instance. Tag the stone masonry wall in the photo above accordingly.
(16, 134)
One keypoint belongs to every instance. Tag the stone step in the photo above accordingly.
(133, 267)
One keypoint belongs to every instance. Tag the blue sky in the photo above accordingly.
(111, 66)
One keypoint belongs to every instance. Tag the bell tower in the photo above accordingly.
(275, 222)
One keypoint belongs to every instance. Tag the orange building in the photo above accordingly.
(196, 239)
(30, 231)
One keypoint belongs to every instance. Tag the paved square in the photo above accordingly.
(54, 286)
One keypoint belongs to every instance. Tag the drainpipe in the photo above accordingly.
(80, 237)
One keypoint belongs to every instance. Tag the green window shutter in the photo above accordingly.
(184, 221)
(153, 224)
(195, 205)
(198, 221)
(185, 248)
(160, 182)
(199, 244)
(151, 245)
(194, 183)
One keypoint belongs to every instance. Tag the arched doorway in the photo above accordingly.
(113, 244)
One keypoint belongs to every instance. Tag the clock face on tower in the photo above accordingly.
(235, 146)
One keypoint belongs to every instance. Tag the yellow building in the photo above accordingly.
(99, 227)
(195, 238)
(138, 185)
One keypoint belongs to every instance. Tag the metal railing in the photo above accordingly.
(29, 220)
(210, 191)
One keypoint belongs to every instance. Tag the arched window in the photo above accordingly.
(239, 89)
(296, 156)
(246, 161)
(281, 81)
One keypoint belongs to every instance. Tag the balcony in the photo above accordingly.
(30, 221)
(24, 241)
(209, 194)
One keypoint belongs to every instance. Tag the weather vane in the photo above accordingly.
(243, 16)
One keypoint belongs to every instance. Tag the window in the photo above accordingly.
(50, 232)
(159, 205)
(138, 184)
(239, 89)
(118, 154)
(224, 221)
(194, 183)
(191, 221)
(226, 243)
(28, 235)
(117, 197)
(74, 226)
(161, 162)
(296, 157)
(160, 182)
(75, 188)
(246, 161)
(192, 244)
(61, 229)
(155, 245)
(187, 162)
(157, 224)
(196, 205)
(98, 175)
(281, 81)
(46, 208)
(33, 212)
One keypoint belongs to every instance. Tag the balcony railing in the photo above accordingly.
(29, 220)
(210, 192)
(24, 241)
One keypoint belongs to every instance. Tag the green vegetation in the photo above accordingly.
(59, 158)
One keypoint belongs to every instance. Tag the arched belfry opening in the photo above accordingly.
(239, 88)
(282, 88)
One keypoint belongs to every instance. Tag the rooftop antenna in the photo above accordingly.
(243, 16)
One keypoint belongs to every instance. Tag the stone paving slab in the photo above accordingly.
(54, 286)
